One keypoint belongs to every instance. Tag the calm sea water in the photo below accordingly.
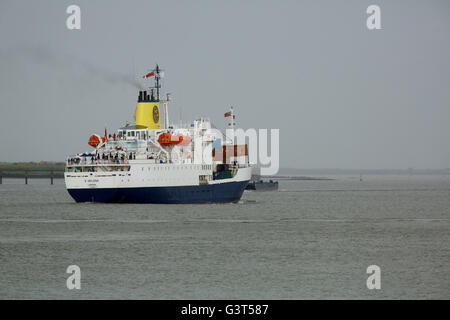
(311, 239)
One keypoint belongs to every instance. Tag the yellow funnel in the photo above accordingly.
(148, 113)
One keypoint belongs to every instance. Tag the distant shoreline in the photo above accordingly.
(295, 178)
(283, 172)
(40, 170)
(33, 175)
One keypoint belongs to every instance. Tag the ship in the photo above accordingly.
(155, 161)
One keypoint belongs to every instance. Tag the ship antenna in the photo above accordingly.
(157, 81)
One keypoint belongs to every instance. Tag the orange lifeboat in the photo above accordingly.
(95, 140)
(167, 139)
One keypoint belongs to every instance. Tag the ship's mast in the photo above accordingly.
(158, 73)
(232, 123)
(158, 86)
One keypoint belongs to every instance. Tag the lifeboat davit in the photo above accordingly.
(95, 140)
(184, 140)
(167, 139)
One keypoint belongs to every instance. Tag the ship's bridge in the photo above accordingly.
(133, 133)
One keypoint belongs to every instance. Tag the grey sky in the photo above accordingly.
(341, 95)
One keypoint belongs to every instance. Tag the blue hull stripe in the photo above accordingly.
(224, 192)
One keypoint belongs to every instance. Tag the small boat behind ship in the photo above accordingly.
(262, 185)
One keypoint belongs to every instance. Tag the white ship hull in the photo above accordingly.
(156, 183)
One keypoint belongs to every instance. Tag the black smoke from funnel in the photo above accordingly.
(62, 62)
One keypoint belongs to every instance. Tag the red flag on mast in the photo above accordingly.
(148, 75)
